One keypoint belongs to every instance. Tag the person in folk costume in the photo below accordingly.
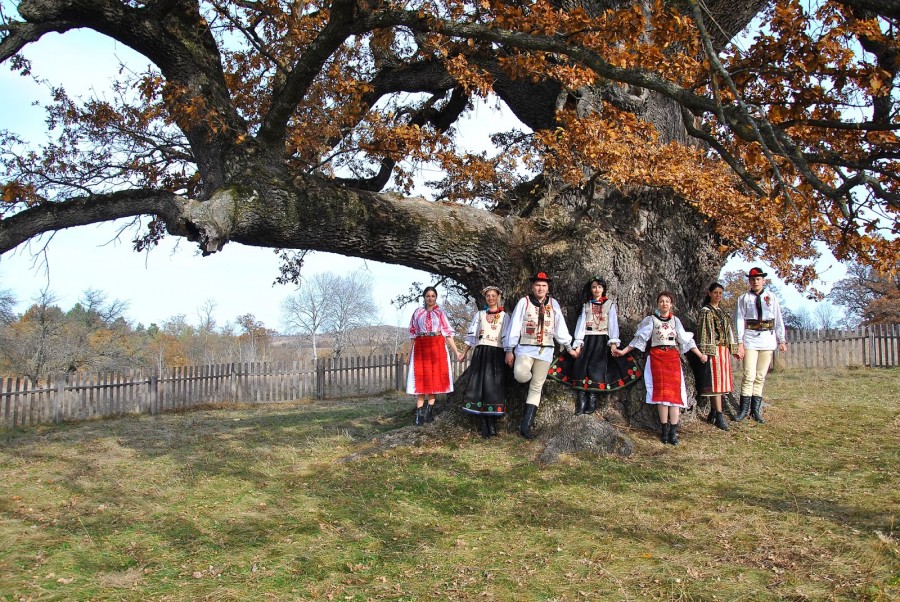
(663, 376)
(760, 328)
(485, 395)
(716, 339)
(594, 369)
(535, 324)
(429, 362)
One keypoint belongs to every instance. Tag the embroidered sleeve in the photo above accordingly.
(706, 332)
(472, 332)
(444, 324)
(580, 326)
(739, 319)
(414, 324)
(779, 321)
(560, 330)
(613, 325)
(685, 338)
(513, 325)
(643, 334)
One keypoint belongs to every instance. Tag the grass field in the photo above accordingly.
(254, 503)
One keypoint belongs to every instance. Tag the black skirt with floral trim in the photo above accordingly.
(485, 393)
(596, 369)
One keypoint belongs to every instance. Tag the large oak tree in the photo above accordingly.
(653, 146)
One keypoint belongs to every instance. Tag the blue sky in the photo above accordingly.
(174, 279)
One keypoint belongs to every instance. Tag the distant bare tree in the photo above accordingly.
(827, 316)
(352, 307)
(7, 307)
(306, 312)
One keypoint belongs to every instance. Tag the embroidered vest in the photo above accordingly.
(596, 318)
(663, 333)
(491, 327)
(531, 333)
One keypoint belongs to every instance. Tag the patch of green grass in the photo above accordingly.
(248, 503)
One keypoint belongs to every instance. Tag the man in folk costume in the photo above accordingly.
(535, 324)
(759, 328)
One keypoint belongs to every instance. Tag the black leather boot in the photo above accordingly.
(580, 402)
(664, 434)
(429, 413)
(744, 408)
(485, 427)
(711, 419)
(756, 409)
(720, 421)
(673, 434)
(527, 421)
(420, 416)
(591, 403)
(492, 425)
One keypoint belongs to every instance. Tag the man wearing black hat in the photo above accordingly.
(534, 325)
(759, 328)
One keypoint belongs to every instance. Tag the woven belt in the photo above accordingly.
(760, 325)
(429, 334)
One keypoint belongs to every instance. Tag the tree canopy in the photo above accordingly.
(302, 124)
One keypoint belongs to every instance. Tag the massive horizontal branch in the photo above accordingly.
(81, 211)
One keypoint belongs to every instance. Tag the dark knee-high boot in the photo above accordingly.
(492, 425)
(744, 408)
(580, 402)
(664, 433)
(420, 416)
(756, 409)
(429, 413)
(527, 421)
(720, 422)
(591, 403)
(673, 434)
(485, 427)
(712, 414)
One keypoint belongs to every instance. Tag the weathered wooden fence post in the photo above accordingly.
(60, 391)
(153, 385)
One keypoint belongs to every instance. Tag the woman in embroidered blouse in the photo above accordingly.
(715, 339)
(429, 362)
(485, 395)
(662, 374)
(594, 369)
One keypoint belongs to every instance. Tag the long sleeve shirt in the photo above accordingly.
(514, 332)
(581, 326)
(763, 307)
(684, 340)
(424, 322)
(713, 330)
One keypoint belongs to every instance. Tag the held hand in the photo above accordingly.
(510, 358)
(617, 353)
(575, 352)
(740, 353)
(460, 356)
(704, 358)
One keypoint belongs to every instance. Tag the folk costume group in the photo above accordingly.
(592, 363)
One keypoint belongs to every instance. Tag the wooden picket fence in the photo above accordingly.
(876, 346)
(79, 396)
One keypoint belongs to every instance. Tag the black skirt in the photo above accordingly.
(596, 369)
(485, 393)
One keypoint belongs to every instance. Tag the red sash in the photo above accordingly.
(665, 368)
(432, 372)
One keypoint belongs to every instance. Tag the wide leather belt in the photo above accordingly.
(760, 324)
